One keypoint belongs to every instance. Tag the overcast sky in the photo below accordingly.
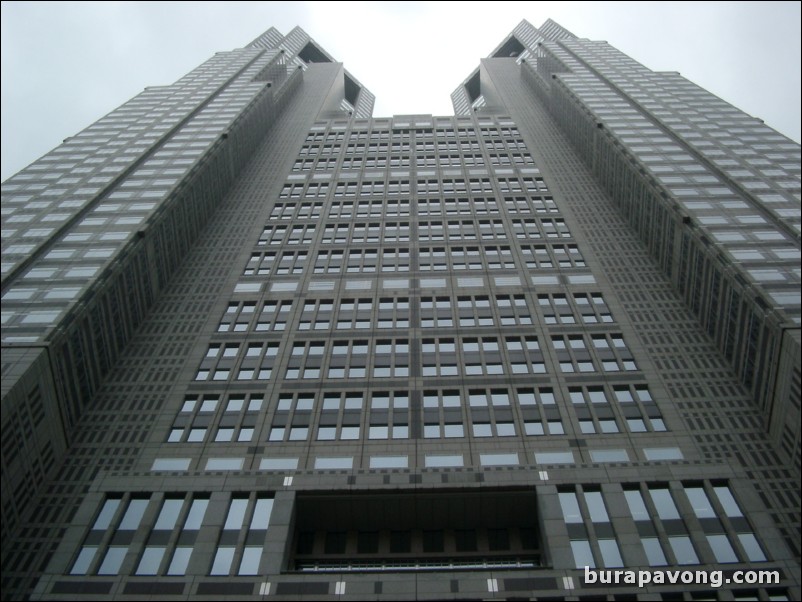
(66, 64)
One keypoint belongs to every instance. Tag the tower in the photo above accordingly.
(262, 344)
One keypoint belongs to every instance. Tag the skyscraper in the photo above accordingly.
(258, 343)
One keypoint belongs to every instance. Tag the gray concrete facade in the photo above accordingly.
(331, 356)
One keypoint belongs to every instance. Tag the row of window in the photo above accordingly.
(496, 412)
(492, 229)
(664, 533)
(401, 208)
(469, 356)
(545, 459)
(323, 161)
(428, 207)
(445, 129)
(361, 261)
(448, 186)
(171, 525)
(401, 148)
(366, 232)
(170, 543)
(372, 260)
(435, 312)
(342, 210)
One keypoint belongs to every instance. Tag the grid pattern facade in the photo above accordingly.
(713, 192)
(414, 357)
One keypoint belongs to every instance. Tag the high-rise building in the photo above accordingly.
(258, 344)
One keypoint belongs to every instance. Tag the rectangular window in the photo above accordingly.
(117, 522)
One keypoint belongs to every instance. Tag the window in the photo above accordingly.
(354, 314)
(491, 413)
(554, 457)
(389, 462)
(524, 355)
(390, 358)
(389, 415)
(123, 524)
(224, 463)
(547, 256)
(306, 360)
(584, 506)
(583, 556)
(436, 312)
(442, 414)
(609, 455)
(278, 464)
(199, 416)
(257, 362)
(86, 555)
(340, 417)
(539, 411)
(154, 552)
(252, 552)
(393, 313)
(292, 417)
(481, 356)
(719, 537)
(334, 463)
(679, 542)
(253, 515)
(651, 544)
(572, 354)
(499, 459)
(443, 461)
(662, 453)
(439, 357)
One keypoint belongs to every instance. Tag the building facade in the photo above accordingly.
(259, 344)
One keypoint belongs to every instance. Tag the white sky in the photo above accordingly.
(66, 64)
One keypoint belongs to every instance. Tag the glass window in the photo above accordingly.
(435, 461)
(636, 505)
(611, 555)
(278, 464)
(84, 560)
(570, 507)
(224, 464)
(249, 565)
(683, 549)
(596, 509)
(751, 547)
(168, 515)
(499, 459)
(664, 503)
(333, 463)
(196, 514)
(106, 514)
(150, 561)
(566, 457)
(663, 453)
(389, 462)
(701, 505)
(727, 500)
(609, 455)
(236, 514)
(133, 515)
(582, 554)
(261, 514)
(722, 549)
(222, 561)
(654, 552)
(180, 561)
(112, 561)
(209, 405)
